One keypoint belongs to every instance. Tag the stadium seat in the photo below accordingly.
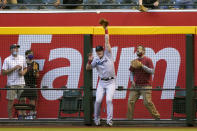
(71, 102)
(179, 104)
(27, 107)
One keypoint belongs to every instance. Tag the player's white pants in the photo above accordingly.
(108, 88)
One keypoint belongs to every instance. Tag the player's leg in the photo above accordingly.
(99, 97)
(147, 96)
(110, 89)
(133, 97)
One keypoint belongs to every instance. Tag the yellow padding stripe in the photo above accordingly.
(46, 30)
(147, 30)
(113, 30)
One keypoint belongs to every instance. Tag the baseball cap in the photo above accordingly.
(99, 48)
(14, 46)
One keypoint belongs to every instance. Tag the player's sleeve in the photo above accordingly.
(5, 65)
(149, 68)
(108, 53)
(93, 64)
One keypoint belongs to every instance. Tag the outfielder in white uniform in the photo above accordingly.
(104, 65)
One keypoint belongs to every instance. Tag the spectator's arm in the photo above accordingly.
(57, 3)
(37, 73)
(140, 2)
(7, 72)
(148, 70)
(156, 3)
(23, 72)
(3, 3)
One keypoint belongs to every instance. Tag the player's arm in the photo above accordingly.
(90, 59)
(149, 68)
(107, 44)
(105, 24)
(88, 66)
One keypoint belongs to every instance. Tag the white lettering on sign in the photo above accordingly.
(73, 72)
(25, 42)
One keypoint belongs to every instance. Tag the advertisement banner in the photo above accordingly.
(61, 63)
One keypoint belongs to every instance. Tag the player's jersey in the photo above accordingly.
(105, 65)
(142, 78)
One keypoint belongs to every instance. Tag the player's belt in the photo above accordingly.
(106, 79)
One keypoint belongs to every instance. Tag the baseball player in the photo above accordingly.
(141, 71)
(104, 65)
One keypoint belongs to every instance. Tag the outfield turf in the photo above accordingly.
(102, 129)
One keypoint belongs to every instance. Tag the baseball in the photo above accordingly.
(98, 12)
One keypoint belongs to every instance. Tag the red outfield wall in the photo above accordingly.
(62, 55)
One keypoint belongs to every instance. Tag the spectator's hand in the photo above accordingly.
(156, 3)
(18, 67)
(4, 3)
(142, 8)
(57, 3)
(20, 73)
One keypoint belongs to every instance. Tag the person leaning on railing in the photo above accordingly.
(145, 4)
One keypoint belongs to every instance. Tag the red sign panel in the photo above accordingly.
(61, 63)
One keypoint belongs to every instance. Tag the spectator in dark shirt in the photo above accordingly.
(152, 4)
(30, 80)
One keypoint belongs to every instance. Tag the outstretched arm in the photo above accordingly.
(105, 24)
(107, 44)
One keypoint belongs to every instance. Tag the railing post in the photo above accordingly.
(189, 79)
(88, 102)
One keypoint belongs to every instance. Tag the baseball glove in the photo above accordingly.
(104, 23)
(136, 64)
(143, 9)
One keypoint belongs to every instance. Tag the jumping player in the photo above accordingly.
(104, 65)
(141, 71)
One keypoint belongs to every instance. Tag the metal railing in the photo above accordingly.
(97, 5)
